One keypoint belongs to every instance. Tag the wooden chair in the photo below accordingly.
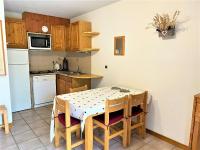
(115, 112)
(65, 125)
(78, 89)
(137, 109)
(3, 111)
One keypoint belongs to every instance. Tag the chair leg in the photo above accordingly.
(129, 131)
(144, 126)
(78, 133)
(57, 135)
(68, 139)
(139, 129)
(5, 120)
(106, 138)
(125, 128)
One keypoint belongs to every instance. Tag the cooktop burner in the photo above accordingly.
(42, 72)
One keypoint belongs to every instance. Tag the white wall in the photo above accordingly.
(168, 69)
(4, 80)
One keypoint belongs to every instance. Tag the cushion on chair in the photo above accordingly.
(74, 121)
(113, 117)
(136, 110)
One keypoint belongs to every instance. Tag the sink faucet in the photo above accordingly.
(78, 69)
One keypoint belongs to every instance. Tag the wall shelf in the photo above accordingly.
(91, 33)
(86, 50)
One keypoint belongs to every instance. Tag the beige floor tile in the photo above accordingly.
(24, 136)
(47, 120)
(41, 131)
(30, 144)
(16, 116)
(117, 146)
(20, 129)
(45, 115)
(3, 135)
(37, 124)
(6, 141)
(27, 113)
(148, 147)
(32, 118)
(19, 122)
(158, 145)
(12, 147)
(52, 147)
(45, 139)
(42, 110)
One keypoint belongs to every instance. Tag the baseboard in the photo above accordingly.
(166, 139)
(10, 126)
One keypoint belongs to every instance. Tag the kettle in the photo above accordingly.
(65, 65)
(57, 66)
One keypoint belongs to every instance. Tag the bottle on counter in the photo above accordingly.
(65, 65)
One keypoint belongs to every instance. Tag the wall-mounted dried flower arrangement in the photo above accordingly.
(165, 25)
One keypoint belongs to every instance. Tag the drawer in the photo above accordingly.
(67, 79)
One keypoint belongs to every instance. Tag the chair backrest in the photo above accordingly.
(62, 106)
(78, 89)
(114, 106)
(138, 100)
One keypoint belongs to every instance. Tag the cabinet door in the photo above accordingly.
(67, 37)
(16, 34)
(58, 37)
(61, 86)
(74, 42)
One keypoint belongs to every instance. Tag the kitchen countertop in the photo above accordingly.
(72, 75)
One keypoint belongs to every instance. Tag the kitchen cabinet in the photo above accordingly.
(81, 36)
(15, 33)
(60, 37)
(64, 83)
(195, 128)
(34, 22)
(58, 33)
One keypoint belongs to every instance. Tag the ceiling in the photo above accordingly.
(59, 8)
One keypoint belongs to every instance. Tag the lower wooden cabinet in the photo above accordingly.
(195, 128)
(64, 83)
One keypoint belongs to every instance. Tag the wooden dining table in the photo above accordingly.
(85, 105)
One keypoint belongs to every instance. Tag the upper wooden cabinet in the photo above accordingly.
(34, 22)
(60, 37)
(58, 33)
(15, 33)
(81, 36)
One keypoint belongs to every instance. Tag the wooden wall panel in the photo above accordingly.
(34, 22)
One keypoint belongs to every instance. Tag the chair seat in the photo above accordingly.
(136, 110)
(74, 121)
(113, 117)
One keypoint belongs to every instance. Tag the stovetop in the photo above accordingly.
(42, 72)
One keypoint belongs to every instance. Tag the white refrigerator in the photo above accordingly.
(18, 64)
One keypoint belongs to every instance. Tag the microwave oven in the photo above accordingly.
(39, 41)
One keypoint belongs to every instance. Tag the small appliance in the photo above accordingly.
(44, 89)
(39, 41)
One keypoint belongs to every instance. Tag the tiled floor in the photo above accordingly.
(31, 132)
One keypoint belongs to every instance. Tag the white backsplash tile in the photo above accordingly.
(43, 60)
